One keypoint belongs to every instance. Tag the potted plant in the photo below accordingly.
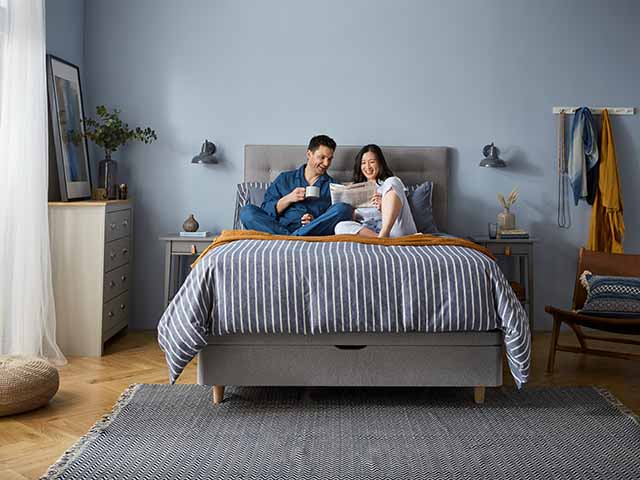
(506, 219)
(111, 133)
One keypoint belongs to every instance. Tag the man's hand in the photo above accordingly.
(296, 195)
(306, 219)
(377, 200)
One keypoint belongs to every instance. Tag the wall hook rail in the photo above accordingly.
(597, 110)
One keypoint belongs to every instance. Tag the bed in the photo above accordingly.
(203, 318)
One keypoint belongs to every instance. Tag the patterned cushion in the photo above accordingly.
(420, 201)
(248, 193)
(611, 296)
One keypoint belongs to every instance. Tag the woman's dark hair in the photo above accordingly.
(385, 171)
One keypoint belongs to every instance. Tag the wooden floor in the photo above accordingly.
(89, 387)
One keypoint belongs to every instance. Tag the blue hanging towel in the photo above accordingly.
(583, 156)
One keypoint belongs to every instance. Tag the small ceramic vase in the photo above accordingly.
(506, 220)
(190, 224)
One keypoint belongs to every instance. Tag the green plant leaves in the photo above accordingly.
(111, 133)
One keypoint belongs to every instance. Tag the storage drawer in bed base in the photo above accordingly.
(354, 365)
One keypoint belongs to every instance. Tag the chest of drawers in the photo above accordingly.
(91, 254)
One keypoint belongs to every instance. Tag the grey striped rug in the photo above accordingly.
(172, 432)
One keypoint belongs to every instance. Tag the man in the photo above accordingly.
(286, 210)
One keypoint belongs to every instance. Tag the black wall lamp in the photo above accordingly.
(206, 155)
(491, 159)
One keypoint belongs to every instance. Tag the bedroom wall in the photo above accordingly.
(65, 31)
(460, 74)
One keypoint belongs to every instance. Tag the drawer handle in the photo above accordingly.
(350, 347)
(193, 249)
(507, 251)
(113, 226)
(112, 255)
(125, 251)
(123, 278)
(112, 284)
(109, 313)
(122, 306)
(125, 223)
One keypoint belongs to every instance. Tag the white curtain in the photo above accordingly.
(27, 310)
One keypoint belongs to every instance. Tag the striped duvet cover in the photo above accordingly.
(304, 288)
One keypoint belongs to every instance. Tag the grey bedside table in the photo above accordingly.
(176, 248)
(521, 251)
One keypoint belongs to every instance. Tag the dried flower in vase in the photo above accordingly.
(510, 200)
(506, 219)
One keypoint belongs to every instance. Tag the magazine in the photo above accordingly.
(358, 195)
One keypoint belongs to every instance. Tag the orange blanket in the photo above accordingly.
(416, 240)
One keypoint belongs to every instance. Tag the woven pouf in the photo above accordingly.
(25, 383)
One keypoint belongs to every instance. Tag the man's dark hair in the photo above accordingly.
(324, 140)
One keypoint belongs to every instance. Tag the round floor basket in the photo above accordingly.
(26, 383)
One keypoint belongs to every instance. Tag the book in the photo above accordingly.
(194, 234)
(513, 234)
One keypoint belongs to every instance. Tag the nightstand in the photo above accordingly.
(520, 252)
(176, 248)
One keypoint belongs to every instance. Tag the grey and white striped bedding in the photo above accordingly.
(308, 288)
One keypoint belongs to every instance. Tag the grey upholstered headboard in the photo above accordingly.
(414, 165)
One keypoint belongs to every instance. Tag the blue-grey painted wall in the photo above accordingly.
(460, 73)
(65, 30)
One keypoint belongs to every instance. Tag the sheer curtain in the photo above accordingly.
(27, 311)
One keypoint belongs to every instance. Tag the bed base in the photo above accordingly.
(452, 359)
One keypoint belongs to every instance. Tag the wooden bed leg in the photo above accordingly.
(478, 395)
(218, 394)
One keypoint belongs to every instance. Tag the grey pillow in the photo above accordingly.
(248, 193)
(420, 201)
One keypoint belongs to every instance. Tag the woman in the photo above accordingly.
(390, 216)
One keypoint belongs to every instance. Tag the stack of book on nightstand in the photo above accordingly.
(514, 234)
(194, 234)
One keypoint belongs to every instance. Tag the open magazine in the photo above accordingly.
(358, 195)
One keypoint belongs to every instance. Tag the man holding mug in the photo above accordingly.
(298, 202)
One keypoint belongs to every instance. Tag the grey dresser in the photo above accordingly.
(91, 254)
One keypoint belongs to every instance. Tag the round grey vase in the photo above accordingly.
(190, 224)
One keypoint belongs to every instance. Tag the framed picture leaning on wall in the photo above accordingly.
(66, 113)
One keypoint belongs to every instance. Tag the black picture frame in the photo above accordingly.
(66, 115)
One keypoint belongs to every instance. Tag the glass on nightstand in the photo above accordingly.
(492, 230)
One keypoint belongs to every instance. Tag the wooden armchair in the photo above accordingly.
(599, 263)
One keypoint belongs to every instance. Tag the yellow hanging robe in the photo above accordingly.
(606, 230)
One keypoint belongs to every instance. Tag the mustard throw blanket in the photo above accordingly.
(606, 230)
(416, 240)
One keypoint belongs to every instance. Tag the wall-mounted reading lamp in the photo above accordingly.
(206, 155)
(491, 159)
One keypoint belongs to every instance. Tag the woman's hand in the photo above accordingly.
(306, 219)
(377, 200)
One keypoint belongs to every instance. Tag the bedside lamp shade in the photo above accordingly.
(206, 154)
(491, 159)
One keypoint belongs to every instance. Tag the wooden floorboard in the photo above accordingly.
(89, 387)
